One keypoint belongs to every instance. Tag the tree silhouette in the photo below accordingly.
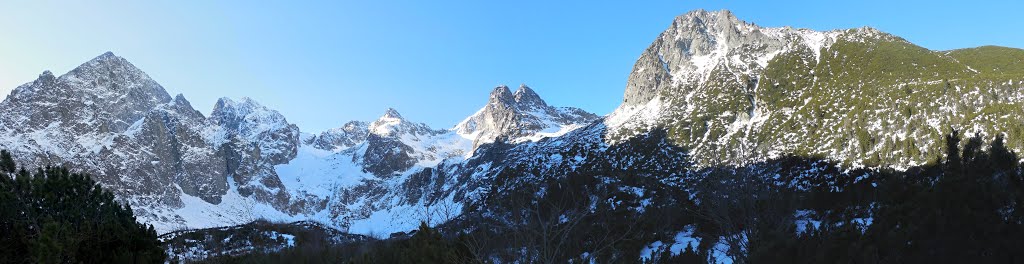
(56, 216)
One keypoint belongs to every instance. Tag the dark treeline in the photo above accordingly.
(425, 245)
(54, 216)
(965, 209)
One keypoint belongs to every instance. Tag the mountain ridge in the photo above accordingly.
(710, 90)
(724, 87)
(181, 168)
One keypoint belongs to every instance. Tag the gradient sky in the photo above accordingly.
(324, 63)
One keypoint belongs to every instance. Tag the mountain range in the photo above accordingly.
(710, 91)
(182, 169)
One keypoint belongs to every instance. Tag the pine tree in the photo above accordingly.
(688, 256)
(56, 216)
(7, 162)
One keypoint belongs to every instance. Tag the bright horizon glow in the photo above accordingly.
(323, 64)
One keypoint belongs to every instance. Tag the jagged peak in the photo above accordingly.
(227, 108)
(501, 94)
(240, 103)
(47, 76)
(108, 61)
(391, 113)
(180, 100)
(392, 123)
(225, 100)
(101, 80)
(247, 118)
(519, 116)
(526, 96)
(354, 124)
(109, 68)
(222, 103)
(349, 126)
(868, 29)
(704, 13)
(867, 33)
(701, 18)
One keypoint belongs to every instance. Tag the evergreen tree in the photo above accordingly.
(7, 162)
(688, 256)
(56, 216)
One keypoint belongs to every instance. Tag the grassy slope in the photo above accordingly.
(877, 100)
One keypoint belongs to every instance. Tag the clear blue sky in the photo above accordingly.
(324, 63)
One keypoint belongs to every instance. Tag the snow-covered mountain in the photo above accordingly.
(179, 168)
(387, 166)
(111, 119)
(158, 153)
(520, 116)
(343, 137)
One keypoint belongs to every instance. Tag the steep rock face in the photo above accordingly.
(385, 156)
(692, 46)
(269, 130)
(155, 152)
(340, 138)
(107, 90)
(177, 135)
(256, 139)
(387, 147)
(735, 93)
(520, 116)
(110, 119)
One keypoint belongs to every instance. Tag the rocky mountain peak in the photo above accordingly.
(501, 95)
(523, 98)
(871, 34)
(393, 124)
(387, 123)
(337, 139)
(517, 115)
(247, 117)
(109, 68)
(354, 126)
(702, 46)
(527, 98)
(180, 100)
(46, 79)
(253, 139)
(701, 18)
(243, 104)
(184, 107)
(227, 109)
(107, 92)
(391, 113)
(389, 144)
(46, 75)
